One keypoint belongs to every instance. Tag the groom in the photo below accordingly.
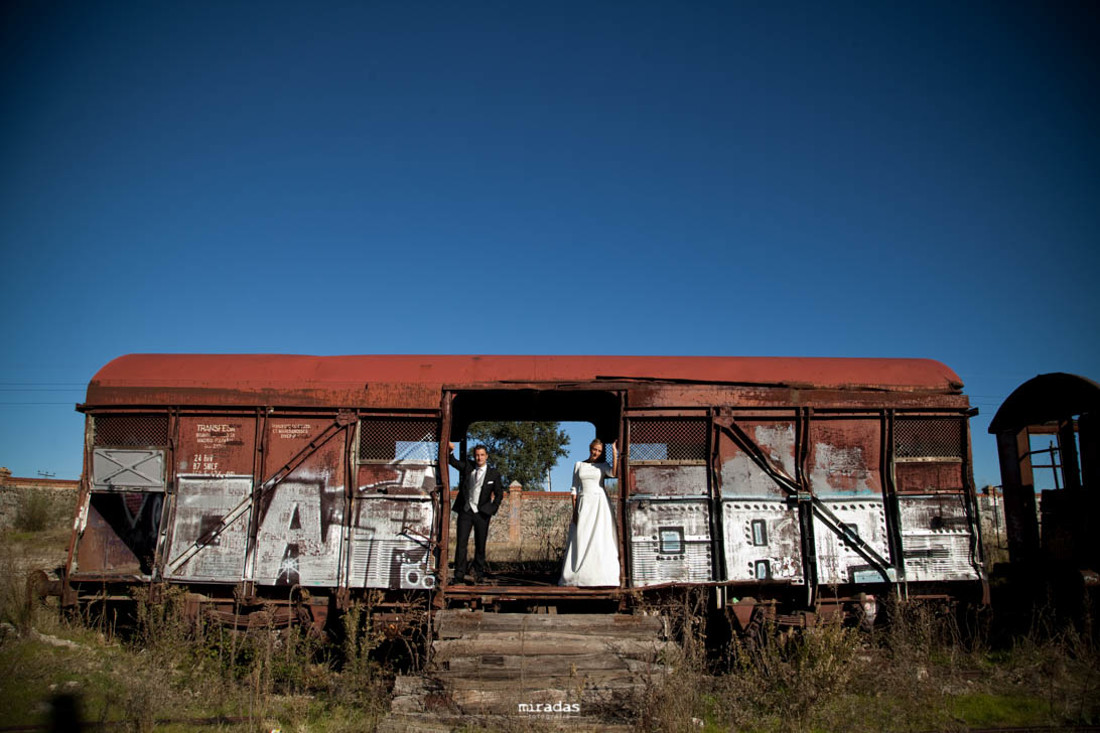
(480, 491)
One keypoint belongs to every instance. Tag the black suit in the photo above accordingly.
(492, 493)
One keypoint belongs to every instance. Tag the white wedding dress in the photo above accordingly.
(591, 552)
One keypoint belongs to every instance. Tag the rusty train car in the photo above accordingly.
(1050, 500)
(300, 483)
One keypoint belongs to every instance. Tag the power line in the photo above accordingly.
(40, 389)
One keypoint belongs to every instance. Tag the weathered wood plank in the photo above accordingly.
(493, 663)
(549, 635)
(523, 686)
(513, 663)
(452, 624)
(553, 645)
(508, 702)
(423, 723)
(502, 636)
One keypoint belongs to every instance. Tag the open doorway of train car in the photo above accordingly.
(527, 536)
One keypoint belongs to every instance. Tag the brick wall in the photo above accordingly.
(531, 525)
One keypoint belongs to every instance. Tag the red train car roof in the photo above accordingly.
(157, 379)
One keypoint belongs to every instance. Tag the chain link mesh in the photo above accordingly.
(394, 439)
(668, 440)
(928, 438)
(131, 431)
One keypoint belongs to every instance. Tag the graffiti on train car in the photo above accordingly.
(297, 536)
(789, 481)
(392, 512)
(120, 531)
(390, 542)
(298, 542)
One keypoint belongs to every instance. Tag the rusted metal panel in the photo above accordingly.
(392, 510)
(300, 518)
(129, 429)
(389, 544)
(668, 455)
(1021, 508)
(398, 455)
(120, 534)
(666, 481)
(741, 476)
(1046, 398)
(839, 561)
(929, 438)
(845, 458)
(214, 462)
(923, 477)
(938, 538)
(762, 541)
(670, 541)
(663, 397)
(1066, 405)
(300, 531)
(415, 381)
(120, 469)
(203, 504)
(216, 445)
(356, 508)
(406, 477)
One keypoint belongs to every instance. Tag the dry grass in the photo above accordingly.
(918, 673)
(169, 667)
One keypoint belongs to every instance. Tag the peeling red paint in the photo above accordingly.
(408, 381)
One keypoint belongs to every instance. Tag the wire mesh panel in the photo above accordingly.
(385, 440)
(130, 431)
(664, 440)
(938, 438)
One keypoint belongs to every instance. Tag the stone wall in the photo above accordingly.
(530, 526)
(17, 494)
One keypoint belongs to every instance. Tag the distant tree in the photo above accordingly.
(521, 451)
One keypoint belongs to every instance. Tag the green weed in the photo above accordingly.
(35, 513)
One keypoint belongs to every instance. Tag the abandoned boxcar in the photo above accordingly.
(1049, 449)
(299, 483)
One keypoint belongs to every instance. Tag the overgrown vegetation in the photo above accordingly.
(38, 511)
(522, 451)
(915, 673)
(171, 670)
(919, 672)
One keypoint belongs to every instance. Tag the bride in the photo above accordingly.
(591, 552)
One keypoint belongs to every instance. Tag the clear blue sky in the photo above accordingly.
(808, 179)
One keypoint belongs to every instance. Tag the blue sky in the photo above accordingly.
(797, 179)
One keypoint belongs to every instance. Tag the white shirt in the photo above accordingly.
(477, 478)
